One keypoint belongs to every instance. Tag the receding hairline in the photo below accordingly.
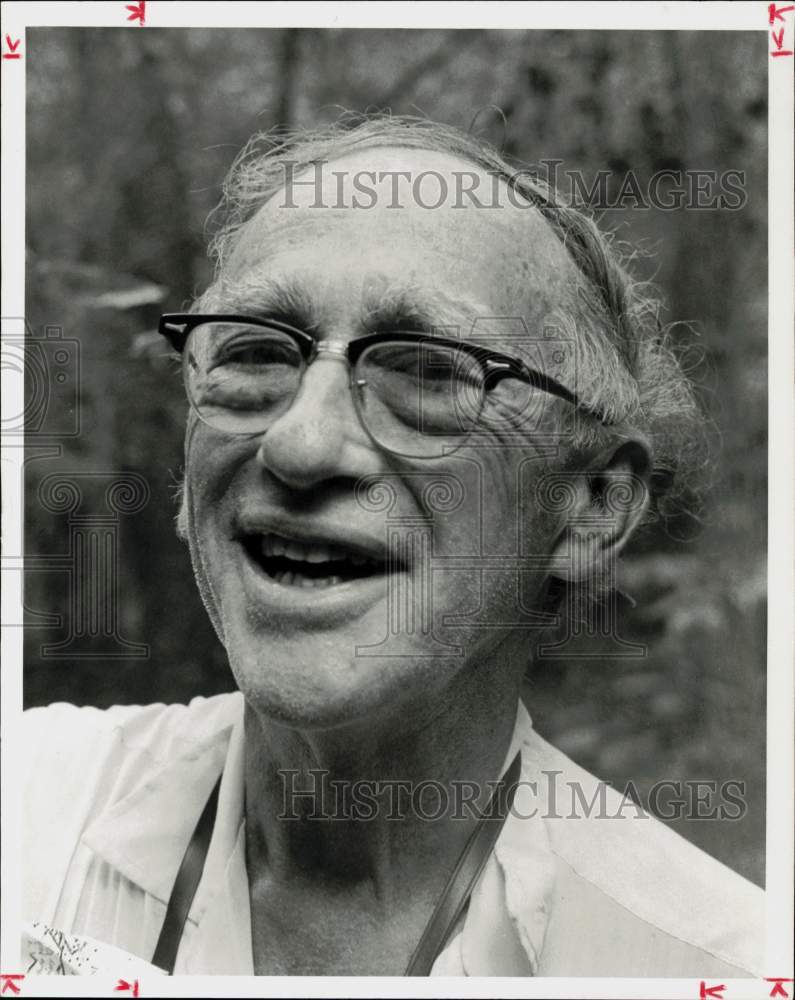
(256, 175)
(385, 165)
(395, 157)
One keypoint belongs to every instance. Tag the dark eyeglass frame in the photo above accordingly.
(496, 366)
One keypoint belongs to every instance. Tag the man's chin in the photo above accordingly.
(311, 704)
(314, 682)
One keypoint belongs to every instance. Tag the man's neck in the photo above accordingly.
(385, 802)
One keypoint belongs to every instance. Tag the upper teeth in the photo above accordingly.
(273, 545)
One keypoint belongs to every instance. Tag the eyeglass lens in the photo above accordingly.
(414, 398)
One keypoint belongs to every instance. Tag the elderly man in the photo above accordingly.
(424, 397)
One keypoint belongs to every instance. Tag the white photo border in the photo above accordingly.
(16, 17)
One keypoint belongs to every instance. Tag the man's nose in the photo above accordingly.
(319, 436)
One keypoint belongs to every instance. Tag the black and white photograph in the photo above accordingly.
(397, 498)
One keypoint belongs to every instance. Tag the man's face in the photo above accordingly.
(319, 649)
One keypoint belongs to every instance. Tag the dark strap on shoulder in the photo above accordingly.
(185, 886)
(471, 863)
(448, 909)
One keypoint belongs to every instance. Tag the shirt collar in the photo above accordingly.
(145, 834)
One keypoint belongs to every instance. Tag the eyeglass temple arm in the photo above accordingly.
(505, 367)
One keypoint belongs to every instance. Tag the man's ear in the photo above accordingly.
(606, 502)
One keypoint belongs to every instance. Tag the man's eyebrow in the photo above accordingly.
(419, 308)
(405, 307)
(266, 298)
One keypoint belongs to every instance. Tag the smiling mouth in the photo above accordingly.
(309, 565)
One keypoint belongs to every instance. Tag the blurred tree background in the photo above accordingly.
(129, 134)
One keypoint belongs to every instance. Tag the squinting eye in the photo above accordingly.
(262, 352)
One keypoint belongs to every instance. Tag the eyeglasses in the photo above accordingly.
(416, 395)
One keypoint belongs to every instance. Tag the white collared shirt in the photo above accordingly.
(113, 798)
